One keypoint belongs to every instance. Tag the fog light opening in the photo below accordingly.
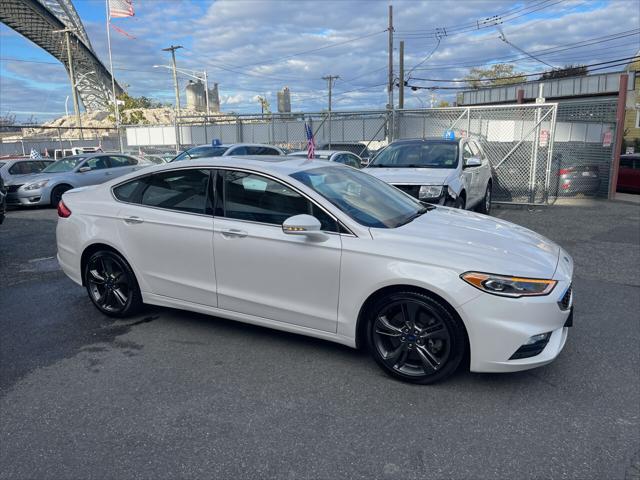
(532, 347)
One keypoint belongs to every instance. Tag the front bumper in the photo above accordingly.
(499, 326)
(22, 198)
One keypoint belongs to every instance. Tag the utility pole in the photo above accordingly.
(390, 83)
(206, 92)
(330, 79)
(74, 91)
(401, 92)
(173, 49)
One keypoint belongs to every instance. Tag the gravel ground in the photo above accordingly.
(171, 394)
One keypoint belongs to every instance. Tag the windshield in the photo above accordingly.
(369, 201)
(200, 152)
(65, 165)
(436, 154)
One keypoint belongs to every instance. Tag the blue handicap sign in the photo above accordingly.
(449, 135)
(216, 142)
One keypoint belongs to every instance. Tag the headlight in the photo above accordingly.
(36, 185)
(509, 286)
(429, 191)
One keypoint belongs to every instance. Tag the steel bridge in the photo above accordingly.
(37, 20)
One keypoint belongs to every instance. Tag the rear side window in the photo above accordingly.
(122, 161)
(182, 190)
(262, 151)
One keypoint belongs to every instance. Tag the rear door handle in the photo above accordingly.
(234, 232)
(133, 220)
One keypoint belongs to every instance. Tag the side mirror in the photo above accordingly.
(303, 225)
(472, 162)
(84, 169)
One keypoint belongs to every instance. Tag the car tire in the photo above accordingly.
(111, 284)
(458, 202)
(415, 338)
(56, 194)
(485, 204)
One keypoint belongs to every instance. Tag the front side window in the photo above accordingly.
(366, 199)
(97, 163)
(252, 197)
(432, 154)
(181, 190)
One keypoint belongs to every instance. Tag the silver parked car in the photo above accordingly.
(338, 156)
(47, 187)
(12, 166)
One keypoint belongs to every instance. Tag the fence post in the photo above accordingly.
(617, 145)
(534, 158)
(238, 129)
(552, 136)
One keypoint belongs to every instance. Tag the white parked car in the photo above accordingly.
(324, 250)
(217, 149)
(454, 172)
(339, 156)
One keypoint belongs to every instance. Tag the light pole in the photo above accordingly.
(194, 75)
(74, 92)
(330, 79)
(173, 49)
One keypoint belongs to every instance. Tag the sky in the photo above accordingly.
(256, 48)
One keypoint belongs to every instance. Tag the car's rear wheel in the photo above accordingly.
(56, 194)
(415, 338)
(485, 204)
(111, 284)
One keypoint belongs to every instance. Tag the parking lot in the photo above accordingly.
(172, 394)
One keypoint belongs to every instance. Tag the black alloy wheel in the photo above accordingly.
(415, 338)
(485, 205)
(56, 194)
(111, 284)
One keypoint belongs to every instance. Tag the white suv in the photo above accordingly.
(454, 172)
(217, 149)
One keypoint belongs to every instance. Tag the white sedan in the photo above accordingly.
(322, 250)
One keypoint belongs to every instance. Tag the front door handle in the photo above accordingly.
(234, 232)
(133, 220)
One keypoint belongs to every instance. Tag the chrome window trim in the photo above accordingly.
(234, 169)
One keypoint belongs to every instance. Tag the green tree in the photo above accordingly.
(498, 74)
(131, 109)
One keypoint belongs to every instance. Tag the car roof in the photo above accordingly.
(282, 164)
(431, 139)
(229, 145)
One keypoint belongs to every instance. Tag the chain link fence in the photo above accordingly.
(538, 152)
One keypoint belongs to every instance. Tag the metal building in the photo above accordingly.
(196, 99)
(284, 100)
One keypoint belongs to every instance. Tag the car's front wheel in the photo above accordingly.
(415, 338)
(485, 204)
(56, 194)
(111, 284)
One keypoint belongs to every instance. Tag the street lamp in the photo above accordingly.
(194, 74)
(173, 49)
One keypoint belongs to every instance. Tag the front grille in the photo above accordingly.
(410, 189)
(565, 301)
(13, 188)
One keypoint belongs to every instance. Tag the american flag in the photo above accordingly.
(121, 8)
(311, 147)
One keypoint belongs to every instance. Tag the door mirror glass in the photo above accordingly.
(472, 162)
(301, 225)
(84, 169)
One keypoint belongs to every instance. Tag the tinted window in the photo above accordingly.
(183, 190)
(122, 161)
(239, 151)
(127, 192)
(261, 151)
(259, 199)
(347, 159)
(432, 154)
(97, 163)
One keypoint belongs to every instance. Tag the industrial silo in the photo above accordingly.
(195, 96)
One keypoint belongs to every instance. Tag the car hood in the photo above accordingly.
(416, 176)
(31, 178)
(468, 241)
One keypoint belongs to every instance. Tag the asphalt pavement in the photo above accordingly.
(172, 394)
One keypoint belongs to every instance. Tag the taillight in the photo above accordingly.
(564, 171)
(63, 210)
